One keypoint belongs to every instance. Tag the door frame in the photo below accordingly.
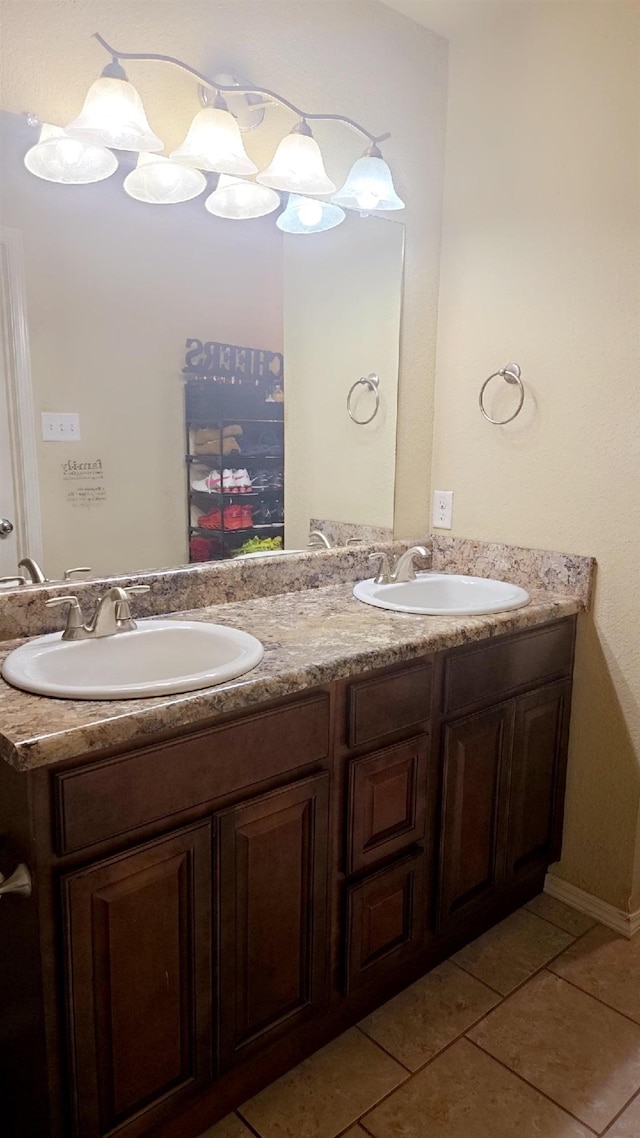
(15, 362)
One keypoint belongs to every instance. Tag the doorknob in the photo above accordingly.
(6, 527)
(19, 882)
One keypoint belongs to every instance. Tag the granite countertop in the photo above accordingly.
(311, 637)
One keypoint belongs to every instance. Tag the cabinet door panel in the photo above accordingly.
(138, 978)
(385, 920)
(387, 795)
(475, 770)
(536, 790)
(272, 888)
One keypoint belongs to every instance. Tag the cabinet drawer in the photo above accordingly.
(380, 706)
(386, 916)
(387, 797)
(494, 669)
(109, 798)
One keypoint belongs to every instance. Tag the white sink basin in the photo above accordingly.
(159, 657)
(444, 594)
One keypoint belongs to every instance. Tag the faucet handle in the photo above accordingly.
(383, 576)
(123, 611)
(405, 569)
(68, 573)
(74, 619)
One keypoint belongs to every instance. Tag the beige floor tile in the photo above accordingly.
(582, 1054)
(607, 966)
(512, 951)
(230, 1127)
(463, 1093)
(326, 1093)
(628, 1124)
(560, 914)
(427, 1016)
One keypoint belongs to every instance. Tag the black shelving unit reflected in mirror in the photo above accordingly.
(235, 464)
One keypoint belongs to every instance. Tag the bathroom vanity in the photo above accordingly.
(219, 893)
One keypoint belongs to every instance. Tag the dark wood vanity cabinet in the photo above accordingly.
(210, 909)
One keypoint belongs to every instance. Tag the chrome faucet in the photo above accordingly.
(112, 614)
(37, 575)
(320, 540)
(403, 570)
(33, 569)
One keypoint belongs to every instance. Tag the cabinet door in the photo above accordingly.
(475, 771)
(272, 901)
(536, 792)
(385, 921)
(387, 798)
(138, 930)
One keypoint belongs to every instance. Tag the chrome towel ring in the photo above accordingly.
(512, 375)
(371, 381)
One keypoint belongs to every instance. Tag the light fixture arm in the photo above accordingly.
(241, 89)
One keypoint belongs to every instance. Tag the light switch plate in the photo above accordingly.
(60, 427)
(442, 509)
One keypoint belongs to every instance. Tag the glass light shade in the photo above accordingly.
(306, 215)
(160, 181)
(297, 166)
(238, 200)
(214, 143)
(58, 158)
(369, 186)
(113, 115)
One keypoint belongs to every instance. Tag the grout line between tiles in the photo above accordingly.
(365, 1128)
(384, 1049)
(542, 1093)
(541, 968)
(250, 1128)
(598, 1000)
(576, 936)
(620, 1112)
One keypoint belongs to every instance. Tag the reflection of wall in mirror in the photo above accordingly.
(361, 59)
(341, 322)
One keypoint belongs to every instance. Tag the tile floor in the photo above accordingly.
(532, 1031)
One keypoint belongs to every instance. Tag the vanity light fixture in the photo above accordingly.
(237, 200)
(160, 181)
(58, 158)
(113, 117)
(308, 215)
(297, 165)
(214, 143)
(369, 185)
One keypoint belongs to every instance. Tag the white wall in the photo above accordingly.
(541, 265)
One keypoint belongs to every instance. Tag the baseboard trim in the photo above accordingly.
(627, 924)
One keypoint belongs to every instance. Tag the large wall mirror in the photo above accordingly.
(115, 288)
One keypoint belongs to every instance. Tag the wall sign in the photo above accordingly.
(85, 483)
(229, 361)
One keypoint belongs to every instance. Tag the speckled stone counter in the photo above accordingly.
(311, 637)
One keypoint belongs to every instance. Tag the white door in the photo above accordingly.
(9, 556)
(20, 531)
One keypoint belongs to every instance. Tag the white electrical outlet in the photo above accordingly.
(442, 509)
(60, 427)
